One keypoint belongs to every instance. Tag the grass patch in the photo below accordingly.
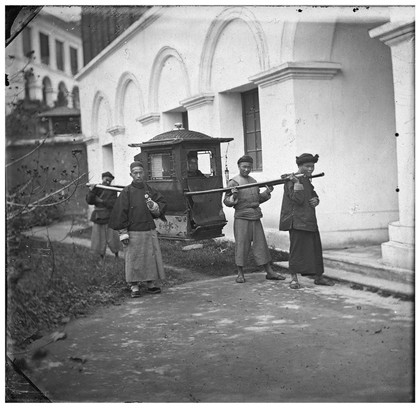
(216, 258)
(49, 284)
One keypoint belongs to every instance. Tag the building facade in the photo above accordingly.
(280, 81)
(41, 63)
(42, 105)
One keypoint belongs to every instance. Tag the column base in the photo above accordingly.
(401, 233)
(399, 250)
(398, 255)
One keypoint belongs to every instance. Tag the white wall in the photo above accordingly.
(348, 120)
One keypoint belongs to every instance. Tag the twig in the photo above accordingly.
(53, 257)
(27, 154)
(20, 190)
(36, 203)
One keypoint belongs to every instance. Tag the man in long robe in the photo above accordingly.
(247, 227)
(133, 217)
(104, 201)
(299, 218)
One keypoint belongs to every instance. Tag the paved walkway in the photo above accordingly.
(60, 232)
(218, 341)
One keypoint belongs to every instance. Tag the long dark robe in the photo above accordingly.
(299, 218)
(305, 255)
(143, 258)
(130, 210)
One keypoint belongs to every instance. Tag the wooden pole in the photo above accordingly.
(114, 188)
(220, 190)
(262, 184)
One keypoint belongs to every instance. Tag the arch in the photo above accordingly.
(122, 86)
(212, 37)
(287, 41)
(99, 98)
(301, 50)
(62, 95)
(158, 63)
(76, 97)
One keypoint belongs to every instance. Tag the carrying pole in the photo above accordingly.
(221, 190)
(114, 188)
(262, 184)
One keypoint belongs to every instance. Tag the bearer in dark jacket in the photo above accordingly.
(299, 218)
(133, 216)
(103, 200)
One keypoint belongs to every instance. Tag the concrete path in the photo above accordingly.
(218, 341)
(60, 232)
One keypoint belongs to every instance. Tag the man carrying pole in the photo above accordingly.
(247, 224)
(104, 201)
(299, 218)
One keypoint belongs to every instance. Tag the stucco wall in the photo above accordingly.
(347, 119)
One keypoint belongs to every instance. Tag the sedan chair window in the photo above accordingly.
(200, 164)
(160, 166)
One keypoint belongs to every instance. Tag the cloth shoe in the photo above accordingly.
(240, 279)
(135, 291)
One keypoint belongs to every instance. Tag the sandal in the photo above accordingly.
(240, 279)
(275, 276)
(294, 284)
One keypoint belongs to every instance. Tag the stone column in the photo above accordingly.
(53, 53)
(151, 125)
(399, 36)
(51, 95)
(200, 112)
(121, 154)
(35, 90)
(70, 102)
(36, 46)
(290, 94)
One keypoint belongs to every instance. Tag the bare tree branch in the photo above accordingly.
(29, 207)
(20, 190)
(27, 154)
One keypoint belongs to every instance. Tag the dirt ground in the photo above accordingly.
(218, 341)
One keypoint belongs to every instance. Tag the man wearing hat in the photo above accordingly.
(133, 217)
(103, 200)
(299, 218)
(247, 225)
(192, 163)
